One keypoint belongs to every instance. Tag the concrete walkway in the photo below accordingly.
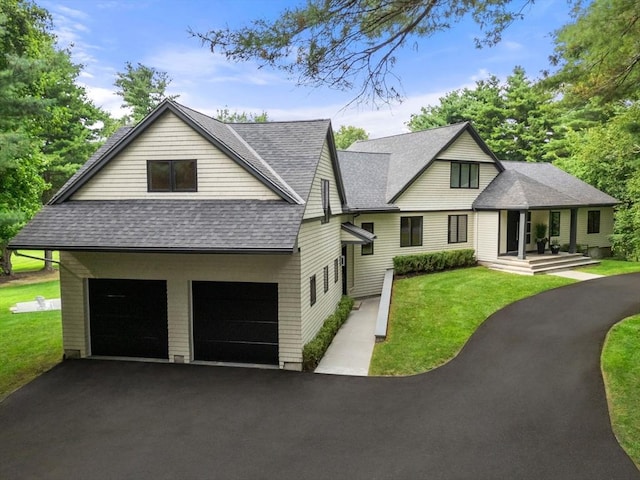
(351, 349)
(576, 275)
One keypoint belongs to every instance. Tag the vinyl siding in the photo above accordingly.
(179, 271)
(169, 138)
(487, 235)
(432, 191)
(323, 172)
(319, 246)
(465, 148)
(369, 269)
(606, 227)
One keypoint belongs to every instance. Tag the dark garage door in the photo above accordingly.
(128, 318)
(235, 322)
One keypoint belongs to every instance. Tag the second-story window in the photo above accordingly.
(326, 203)
(172, 176)
(465, 175)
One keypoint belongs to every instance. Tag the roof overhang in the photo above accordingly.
(351, 234)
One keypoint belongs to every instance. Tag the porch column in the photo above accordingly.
(573, 230)
(522, 235)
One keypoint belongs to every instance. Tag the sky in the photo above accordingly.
(105, 34)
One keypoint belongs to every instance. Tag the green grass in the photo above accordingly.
(613, 267)
(31, 343)
(621, 372)
(24, 264)
(432, 316)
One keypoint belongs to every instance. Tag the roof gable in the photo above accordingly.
(217, 133)
(412, 153)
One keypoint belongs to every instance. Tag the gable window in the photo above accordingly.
(457, 228)
(554, 224)
(312, 290)
(465, 175)
(593, 221)
(172, 176)
(367, 249)
(326, 203)
(335, 270)
(410, 231)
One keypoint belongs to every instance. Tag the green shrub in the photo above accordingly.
(313, 351)
(434, 261)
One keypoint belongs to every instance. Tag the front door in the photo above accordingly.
(513, 224)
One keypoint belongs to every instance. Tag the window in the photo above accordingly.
(336, 264)
(457, 228)
(528, 238)
(554, 224)
(326, 203)
(312, 290)
(410, 231)
(593, 221)
(367, 249)
(326, 279)
(465, 175)
(172, 176)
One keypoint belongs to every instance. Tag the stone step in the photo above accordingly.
(543, 265)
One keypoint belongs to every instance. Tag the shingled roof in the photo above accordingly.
(209, 226)
(526, 185)
(412, 153)
(282, 155)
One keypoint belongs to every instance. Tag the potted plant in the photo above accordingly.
(555, 246)
(541, 236)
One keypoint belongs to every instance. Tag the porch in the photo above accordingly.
(535, 263)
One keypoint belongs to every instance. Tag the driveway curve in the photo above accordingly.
(523, 400)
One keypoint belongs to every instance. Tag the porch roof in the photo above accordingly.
(524, 185)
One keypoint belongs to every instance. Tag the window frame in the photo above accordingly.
(367, 249)
(456, 178)
(313, 290)
(414, 227)
(325, 193)
(593, 221)
(336, 266)
(173, 188)
(554, 223)
(325, 272)
(457, 238)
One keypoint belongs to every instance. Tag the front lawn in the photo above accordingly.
(432, 316)
(621, 372)
(31, 343)
(612, 267)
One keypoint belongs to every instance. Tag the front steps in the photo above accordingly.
(536, 264)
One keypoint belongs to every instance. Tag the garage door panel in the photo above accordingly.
(128, 318)
(235, 321)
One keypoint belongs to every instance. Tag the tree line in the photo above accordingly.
(583, 114)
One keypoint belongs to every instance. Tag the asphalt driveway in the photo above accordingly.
(524, 400)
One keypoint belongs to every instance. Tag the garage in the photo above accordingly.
(128, 318)
(235, 322)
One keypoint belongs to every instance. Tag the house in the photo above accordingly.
(186, 239)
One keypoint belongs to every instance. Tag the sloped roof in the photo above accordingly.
(208, 226)
(218, 133)
(412, 153)
(525, 185)
(365, 179)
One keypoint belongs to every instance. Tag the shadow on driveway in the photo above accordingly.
(524, 400)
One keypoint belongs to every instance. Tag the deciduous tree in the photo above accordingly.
(347, 135)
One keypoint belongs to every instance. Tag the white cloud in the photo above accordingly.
(106, 99)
